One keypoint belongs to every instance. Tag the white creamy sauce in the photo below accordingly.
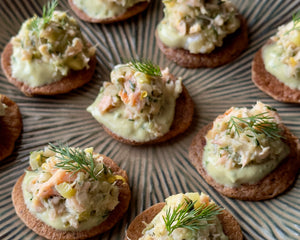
(138, 130)
(34, 72)
(234, 177)
(195, 43)
(272, 59)
(170, 36)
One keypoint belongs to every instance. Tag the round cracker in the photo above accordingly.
(10, 127)
(134, 10)
(269, 84)
(74, 79)
(275, 183)
(183, 117)
(48, 232)
(231, 227)
(233, 45)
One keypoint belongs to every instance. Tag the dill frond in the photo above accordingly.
(146, 67)
(188, 217)
(296, 22)
(261, 123)
(38, 22)
(34, 24)
(48, 11)
(74, 159)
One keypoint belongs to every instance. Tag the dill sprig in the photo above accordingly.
(296, 22)
(74, 159)
(38, 22)
(34, 24)
(257, 124)
(145, 66)
(189, 217)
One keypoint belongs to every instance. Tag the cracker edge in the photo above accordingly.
(11, 125)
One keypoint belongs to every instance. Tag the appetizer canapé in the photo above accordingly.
(276, 66)
(205, 33)
(49, 55)
(247, 154)
(143, 104)
(10, 125)
(188, 216)
(69, 193)
(107, 11)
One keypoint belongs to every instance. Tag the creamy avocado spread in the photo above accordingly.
(67, 195)
(282, 56)
(47, 48)
(99, 9)
(243, 146)
(162, 226)
(197, 26)
(137, 105)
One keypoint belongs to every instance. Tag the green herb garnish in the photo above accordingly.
(296, 22)
(74, 159)
(271, 108)
(146, 67)
(48, 11)
(257, 124)
(38, 22)
(188, 217)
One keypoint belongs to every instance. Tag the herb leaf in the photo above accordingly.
(296, 22)
(257, 124)
(74, 160)
(188, 217)
(38, 22)
(146, 67)
(48, 11)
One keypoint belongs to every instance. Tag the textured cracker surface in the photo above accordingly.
(74, 79)
(275, 183)
(230, 226)
(269, 84)
(184, 111)
(136, 9)
(233, 45)
(10, 127)
(50, 233)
